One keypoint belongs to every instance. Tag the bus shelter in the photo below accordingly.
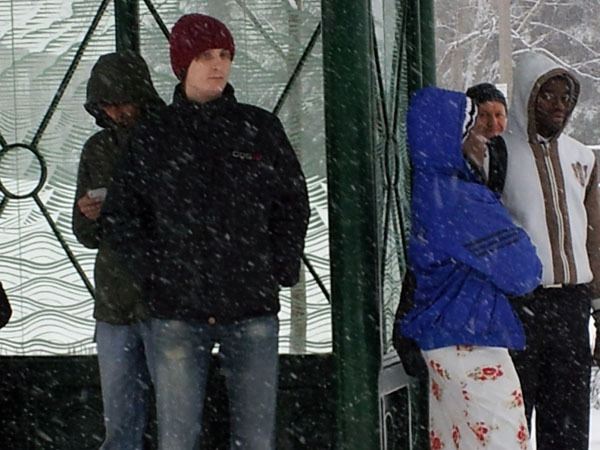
(339, 75)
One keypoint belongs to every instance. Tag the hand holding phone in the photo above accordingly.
(90, 204)
(98, 194)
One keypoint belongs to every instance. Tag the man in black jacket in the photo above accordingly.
(211, 208)
(119, 94)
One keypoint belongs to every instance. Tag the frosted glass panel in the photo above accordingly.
(38, 42)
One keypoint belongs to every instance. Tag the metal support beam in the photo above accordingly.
(349, 124)
(420, 45)
(127, 25)
(427, 15)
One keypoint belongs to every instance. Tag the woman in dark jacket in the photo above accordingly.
(119, 94)
(211, 208)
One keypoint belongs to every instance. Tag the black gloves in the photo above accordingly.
(409, 352)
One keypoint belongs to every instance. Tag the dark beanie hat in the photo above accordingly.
(193, 34)
(486, 92)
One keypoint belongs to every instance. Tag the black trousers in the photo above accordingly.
(554, 369)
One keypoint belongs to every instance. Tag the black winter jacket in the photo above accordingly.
(116, 78)
(211, 208)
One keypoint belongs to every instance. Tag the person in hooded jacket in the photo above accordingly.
(551, 190)
(119, 94)
(467, 256)
(492, 114)
(211, 208)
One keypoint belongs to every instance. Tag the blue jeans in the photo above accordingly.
(249, 355)
(124, 356)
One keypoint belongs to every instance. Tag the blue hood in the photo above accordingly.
(466, 253)
(435, 126)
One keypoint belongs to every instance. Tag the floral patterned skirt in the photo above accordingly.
(475, 400)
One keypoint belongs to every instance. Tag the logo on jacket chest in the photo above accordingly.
(581, 172)
(247, 156)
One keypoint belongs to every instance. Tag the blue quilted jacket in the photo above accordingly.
(466, 253)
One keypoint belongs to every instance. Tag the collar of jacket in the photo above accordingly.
(209, 109)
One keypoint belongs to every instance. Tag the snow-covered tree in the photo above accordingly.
(467, 45)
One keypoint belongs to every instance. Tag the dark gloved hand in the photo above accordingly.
(409, 352)
(411, 357)
(5, 309)
(596, 316)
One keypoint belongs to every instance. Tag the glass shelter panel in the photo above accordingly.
(397, 50)
(393, 176)
(47, 49)
(38, 43)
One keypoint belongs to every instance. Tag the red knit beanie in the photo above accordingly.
(193, 34)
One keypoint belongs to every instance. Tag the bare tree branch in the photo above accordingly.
(569, 35)
(560, 61)
(531, 12)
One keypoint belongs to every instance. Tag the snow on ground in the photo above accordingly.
(595, 429)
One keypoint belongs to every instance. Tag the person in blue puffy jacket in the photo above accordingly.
(467, 256)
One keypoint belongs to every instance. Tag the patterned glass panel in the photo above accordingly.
(393, 175)
(38, 42)
(393, 195)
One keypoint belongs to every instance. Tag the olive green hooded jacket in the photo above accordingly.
(116, 78)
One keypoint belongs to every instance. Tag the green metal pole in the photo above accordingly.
(428, 60)
(127, 25)
(420, 43)
(413, 46)
(349, 120)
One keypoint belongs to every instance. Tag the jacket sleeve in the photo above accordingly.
(471, 227)
(507, 259)
(592, 206)
(86, 231)
(288, 219)
(126, 215)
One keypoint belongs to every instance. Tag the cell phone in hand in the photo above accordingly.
(97, 194)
